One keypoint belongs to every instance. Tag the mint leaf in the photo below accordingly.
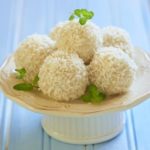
(71, 17)
(84, 12)
(35, 81)
(77, 12)
(92, 88)
(93, 95)
(102, 96)
(82, 20)
(86, 97)
(98, 98)
(23, 87)
(20, 73)
(90, 15)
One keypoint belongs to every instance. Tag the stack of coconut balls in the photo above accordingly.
(74, 56)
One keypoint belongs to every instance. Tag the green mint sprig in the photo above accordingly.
(35, 81)
(24, 86)
(83, 14)
(20, 73)
(93, 95)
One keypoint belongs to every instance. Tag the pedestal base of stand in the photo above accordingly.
(84, 130)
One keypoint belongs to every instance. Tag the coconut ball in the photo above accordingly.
(55, 32)
(112, 70)
(71, 36)
(63, 76)
(31, 54)
(117, 37)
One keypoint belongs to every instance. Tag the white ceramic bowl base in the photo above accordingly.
(84, 130)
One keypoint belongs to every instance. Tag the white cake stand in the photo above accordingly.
(78, 122)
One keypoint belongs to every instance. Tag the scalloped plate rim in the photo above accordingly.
(75, 114)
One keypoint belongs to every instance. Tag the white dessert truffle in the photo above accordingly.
(117, 37)
(112, 71)
(71, 36)
(31, 54)
(63, 76)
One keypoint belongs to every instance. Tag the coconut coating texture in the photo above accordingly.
(31, 54)
(117, 37)
(112, 71)
(63, 76)
(71, 36)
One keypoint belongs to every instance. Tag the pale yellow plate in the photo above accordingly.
(37, 102)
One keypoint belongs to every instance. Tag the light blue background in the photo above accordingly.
(20, 129)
